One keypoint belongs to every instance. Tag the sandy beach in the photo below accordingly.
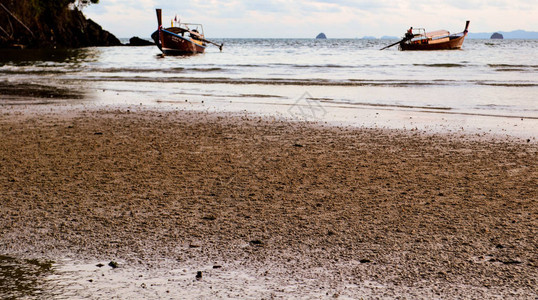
(267, 207)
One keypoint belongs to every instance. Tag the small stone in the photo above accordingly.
(256, 243)
(99, 265)
(364, 261)
(298, 145)
(199, 275)
(217, 266)
(511, 262)
(113, 264)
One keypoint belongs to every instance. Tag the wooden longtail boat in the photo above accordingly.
(436, 40)
(180, 39)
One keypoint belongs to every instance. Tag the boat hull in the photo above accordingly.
(452, 44)
(175, 44)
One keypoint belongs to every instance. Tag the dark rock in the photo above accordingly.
(51, 27)
(364, 261)
(199, 275)
(298, 145)
(136, 41)
(113, 264)
(321, 36)
(511, 262)
(497, 36)
(95, 34)
(99, 265)
(217, 267)
(256, 243)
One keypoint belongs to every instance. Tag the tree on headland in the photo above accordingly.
(50, 23)
(80, 4)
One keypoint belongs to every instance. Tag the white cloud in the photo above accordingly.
(347, 18)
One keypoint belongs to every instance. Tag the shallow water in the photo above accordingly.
(24, 278)
(491, 82)
(69, 279)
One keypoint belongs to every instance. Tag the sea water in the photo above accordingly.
(489, 84)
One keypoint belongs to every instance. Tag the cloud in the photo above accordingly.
(306, 18)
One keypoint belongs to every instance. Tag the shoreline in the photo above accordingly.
(294, 207)
(486, 127)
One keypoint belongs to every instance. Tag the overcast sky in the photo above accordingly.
(307, 18)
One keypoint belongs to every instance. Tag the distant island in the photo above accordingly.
(497, 36)
(321, 36)
(369, 38)
(516, 34)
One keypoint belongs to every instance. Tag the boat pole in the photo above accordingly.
(204, 40)
(403, 40)
(220, 46)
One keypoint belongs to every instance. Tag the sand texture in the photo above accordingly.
(304, 210)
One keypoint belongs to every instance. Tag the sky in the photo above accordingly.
(307, 18)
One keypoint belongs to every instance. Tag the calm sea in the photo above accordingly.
(495, 79)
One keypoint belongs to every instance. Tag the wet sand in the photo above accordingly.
(270, 208)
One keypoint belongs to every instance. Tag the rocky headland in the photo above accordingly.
(40, 24)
